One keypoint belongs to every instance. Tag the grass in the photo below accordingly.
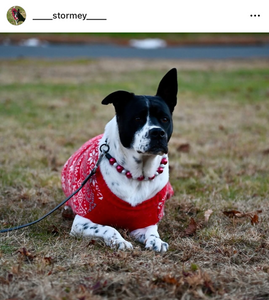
(219, 161)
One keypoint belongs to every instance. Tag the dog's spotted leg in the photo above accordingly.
(151, 238)
(85, 228)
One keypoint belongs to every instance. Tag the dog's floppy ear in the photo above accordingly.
(117, 97)
(168, 89)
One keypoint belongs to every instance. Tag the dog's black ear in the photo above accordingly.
(118, 98)
(168, 89)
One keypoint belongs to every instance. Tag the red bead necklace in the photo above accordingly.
(128, 174)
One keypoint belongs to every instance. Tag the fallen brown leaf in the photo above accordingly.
(91, 242)
(48, 260)
(254, 218)
(67, 213)
(199, 278)
(195, 279)
(207, 214)
(10, 277)
(191, 229)
(16, 269)
(232, 213)
(170, 279)
(26, 254)
(265, 152)
(184, 148)
(3, 280)
(53, 230)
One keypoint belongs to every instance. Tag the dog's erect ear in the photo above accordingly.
(118, 99)
(168, 89)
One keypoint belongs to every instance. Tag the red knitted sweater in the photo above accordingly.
(14, 10)
(96, 202)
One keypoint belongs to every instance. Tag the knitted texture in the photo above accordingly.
(95, 200)
(13, 13)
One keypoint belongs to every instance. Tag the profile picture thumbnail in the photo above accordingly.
(16, 15)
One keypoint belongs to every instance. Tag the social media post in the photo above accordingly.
(134, 150)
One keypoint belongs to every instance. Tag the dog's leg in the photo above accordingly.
(86, 228)
(151, 238)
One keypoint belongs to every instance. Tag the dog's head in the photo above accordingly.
(145, 122)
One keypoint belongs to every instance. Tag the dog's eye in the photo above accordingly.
(137, 119)
(165, 120)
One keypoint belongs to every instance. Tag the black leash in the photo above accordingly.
(102, 153)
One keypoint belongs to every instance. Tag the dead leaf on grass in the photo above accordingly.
(232, 213)
(170, 279)
(53, 230)
(3, 280)
(199, 278)
(16, 269)
(191, 229)
(48, 260)
(83, 289)
(91, 242)
(194, 279)
(254, 218)
(207, 215)
(10, 277)
(122, 254)
(67, 213)
(265, 152)
(26, 254)
(185, 148)
(98, 287)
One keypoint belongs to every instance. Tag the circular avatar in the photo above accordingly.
(16, 15)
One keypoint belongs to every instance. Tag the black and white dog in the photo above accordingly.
(132, 182)
(17, 14)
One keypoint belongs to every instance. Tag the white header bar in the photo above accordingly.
(138, 16)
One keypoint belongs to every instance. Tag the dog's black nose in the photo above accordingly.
(157, 133)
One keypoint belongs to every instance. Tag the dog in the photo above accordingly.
(131, 183)
(17, 15)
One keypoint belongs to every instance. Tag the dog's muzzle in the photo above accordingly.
(158, 141)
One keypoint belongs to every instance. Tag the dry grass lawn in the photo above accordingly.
(219, 157)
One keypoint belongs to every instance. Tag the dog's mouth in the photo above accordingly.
(155, 150)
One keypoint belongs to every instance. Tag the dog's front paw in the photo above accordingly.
(156, 244)
(118, 242)
(124, 245)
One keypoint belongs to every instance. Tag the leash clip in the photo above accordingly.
(104, 148)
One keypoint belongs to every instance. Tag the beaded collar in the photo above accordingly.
(128, 174)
